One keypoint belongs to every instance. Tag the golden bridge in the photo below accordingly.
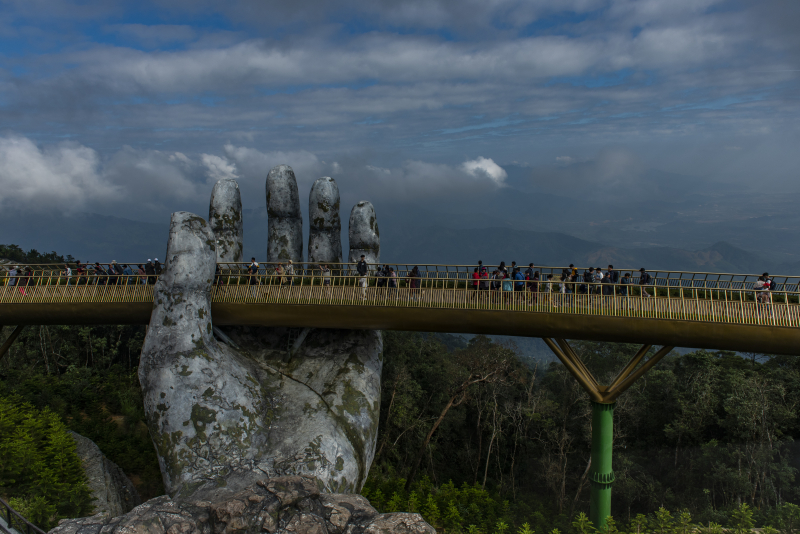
(688, 309)
(677, 308)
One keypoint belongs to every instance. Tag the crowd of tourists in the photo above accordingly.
(593, 281)
(91, 274)
(502, 278)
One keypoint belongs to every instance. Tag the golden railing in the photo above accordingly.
(709, 297)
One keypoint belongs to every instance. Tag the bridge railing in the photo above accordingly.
(56, 273)
(439, 288)
(11, 519)
(693, 279)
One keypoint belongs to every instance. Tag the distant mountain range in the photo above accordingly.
(421, 239)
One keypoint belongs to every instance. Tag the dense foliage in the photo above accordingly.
(477, 441)
(39, 468)
(704, 432)
(87, 376)
(15, 254)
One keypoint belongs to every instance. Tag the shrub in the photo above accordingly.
(40, 472)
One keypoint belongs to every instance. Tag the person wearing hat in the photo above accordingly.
(157, 267)
(361, 267)
(644, 280)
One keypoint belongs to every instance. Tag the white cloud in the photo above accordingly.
(64, 177)
(219, 168)
(379, 169)
(485, 167)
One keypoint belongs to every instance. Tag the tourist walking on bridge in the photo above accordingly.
(67, 273)
(290, 272)
(624, 288)
(127, 273)
(361, 268)
(252, 273)
(519, 284)
(772, 285)
(393, 281)
(25, 280)
(326, 280)
(150, 271)
(413, 282)
(12, 275)
(644, 280)
(113, 274)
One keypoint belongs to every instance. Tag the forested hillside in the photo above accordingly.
(477, 441)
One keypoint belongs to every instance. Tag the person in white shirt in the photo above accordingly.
(67, 272)
(598, 278)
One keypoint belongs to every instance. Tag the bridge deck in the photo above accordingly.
(712, 317)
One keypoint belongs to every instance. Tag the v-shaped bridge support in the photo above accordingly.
(603, 400)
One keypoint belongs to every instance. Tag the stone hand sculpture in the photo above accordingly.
(228, 406)
(225, 219)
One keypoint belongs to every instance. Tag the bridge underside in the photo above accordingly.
(694, 334)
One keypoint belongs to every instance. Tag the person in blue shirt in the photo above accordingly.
(126, 270)
(519, 285)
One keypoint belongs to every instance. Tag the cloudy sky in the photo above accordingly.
(135, 108)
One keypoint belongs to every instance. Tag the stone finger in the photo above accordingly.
(325, 225)
(200, 398)
(285, 233)
(364, 236)
(225, 219)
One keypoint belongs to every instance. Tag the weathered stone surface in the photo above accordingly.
(325, 233)
(223, 416)
(324, 398)
(261, 507)
(364, 236)
(398, 523)
(225, 219)
(112, 491)
(285, 223)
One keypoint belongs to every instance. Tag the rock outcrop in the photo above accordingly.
(275, 506)
(112, 491)
(225, 219)
(364, 236)
(285, 223)
(325, 232)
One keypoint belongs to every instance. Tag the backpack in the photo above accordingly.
(644, 278)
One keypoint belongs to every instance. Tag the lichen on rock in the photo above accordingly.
(364, 235)
(285, 220)
(225, 219)
(325, 232)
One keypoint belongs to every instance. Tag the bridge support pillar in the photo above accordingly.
(602, 475)
(603, 401)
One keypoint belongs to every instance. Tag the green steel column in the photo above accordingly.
(602, 476)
